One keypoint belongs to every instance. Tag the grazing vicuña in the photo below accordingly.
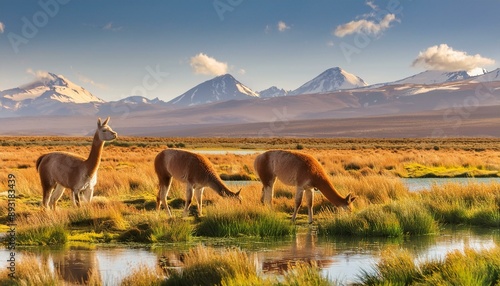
(300, 170)
(193, 169)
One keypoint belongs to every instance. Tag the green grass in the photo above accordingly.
(305, 274)
(143, 276)
(473, 204)
(243, 222)
(415, 170)
(470, 267)
(393, 220)
(56, 234)
(173, 230)
(207, 266)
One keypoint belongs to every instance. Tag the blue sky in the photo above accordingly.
(117, 48)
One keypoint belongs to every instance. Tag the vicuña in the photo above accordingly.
(300, 170)
(61, 170)
(193, 169)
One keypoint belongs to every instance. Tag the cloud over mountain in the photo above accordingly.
(445, 58)
(2, 27)
(40, 75)
(365, 26)
(203, 64)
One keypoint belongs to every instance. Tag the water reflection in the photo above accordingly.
(303, 247)
(76, 266)
(341, 259)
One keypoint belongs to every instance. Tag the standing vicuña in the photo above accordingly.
(300, 170)
(60, 170)
(193, 169)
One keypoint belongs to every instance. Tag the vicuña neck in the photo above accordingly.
(94, 158)
(328, 190)
(217, 185)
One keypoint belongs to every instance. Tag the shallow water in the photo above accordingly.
(418, 184)
(341, 259)
(413, 184)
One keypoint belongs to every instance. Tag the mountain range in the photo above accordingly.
(332, 95)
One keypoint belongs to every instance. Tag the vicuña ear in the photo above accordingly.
(106, 121)
(99, 124)
(350, 198)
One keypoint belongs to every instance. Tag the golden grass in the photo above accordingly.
(127, 185)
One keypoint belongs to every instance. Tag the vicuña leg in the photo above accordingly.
(198, 193)
(75, 197)
(47, 189)
(268, 191)
(55, 196)
(298, 201)
(88, 194)
(189, 198)
(309, 203)
(163, 193)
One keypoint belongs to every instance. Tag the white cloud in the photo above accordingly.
(282, 26)
(445, 58)
(330, 44)
(2, 28)
(372, 5)
(110, 27)
(242, 71)
(203, 64)
(365, 26)
(90, 81)
(40, 75)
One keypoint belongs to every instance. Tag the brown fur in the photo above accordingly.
(193, 169)
(300, 170)
(60, 170)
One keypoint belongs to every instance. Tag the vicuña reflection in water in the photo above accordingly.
(303, 248)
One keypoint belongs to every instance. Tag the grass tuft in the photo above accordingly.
(208, 266)
(246, 221)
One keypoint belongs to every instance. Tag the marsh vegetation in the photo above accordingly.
(122, 212)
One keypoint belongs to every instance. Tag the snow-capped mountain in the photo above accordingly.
(50, 87)
(330, 80)
(435, 77)
(48, 94)
(273, 91)
(493, 75)
(137, 99)
(221, 88)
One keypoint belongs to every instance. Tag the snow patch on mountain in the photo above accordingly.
(221, 88)
(493, 75)
(330, 80)
(51, 87)
(137, 99)
(435, 77)
(273, 91)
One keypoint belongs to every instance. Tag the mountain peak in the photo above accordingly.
(221, 88)
(49, 86)
(330, 80)
(438, 76)
(273, 91)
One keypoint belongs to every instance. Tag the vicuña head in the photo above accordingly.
(300, 170)
(193, 169)
(60, 170)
